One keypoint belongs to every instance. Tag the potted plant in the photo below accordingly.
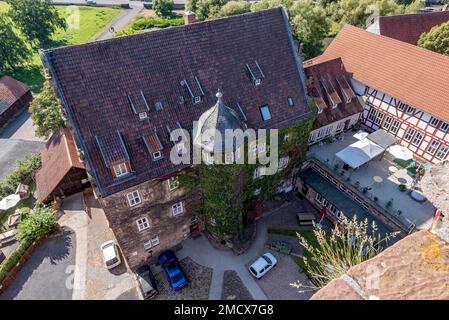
(402, 187)
(389, 203)
(357, 184)
(375, 199)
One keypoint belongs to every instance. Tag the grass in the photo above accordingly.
(24, 203)
(407, 164)
(306, 234)
(91, 22)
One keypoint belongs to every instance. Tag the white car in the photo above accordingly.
(110, 256)
(262, 265)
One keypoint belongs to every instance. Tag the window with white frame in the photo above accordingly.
(185, 232)
(173, 183)
(283, 162)
(433, 146)
(229, 158)
(409, 134)
(143, 223)
(442, 152)
(340, 126)
(417, 139)
(154, 241)
(434, 121)
(177, 209)
(379, 118)
(395, 126)
(120, 169)
(157, 155)
(410, 110)
(329, 131)
(372, 114)
(133, 198)
(444, 126)
(387, 123)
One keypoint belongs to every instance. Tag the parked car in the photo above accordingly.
(262, 265)
(146, 281)
(110, 254)
(169, 263)
(91, 2)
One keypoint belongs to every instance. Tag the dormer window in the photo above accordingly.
(120, 169)
(410, 110)
(143, 115)
(157, 155)
(158, 105)
(197, 100)
(334, 106)
(255, 73)
(195, 90)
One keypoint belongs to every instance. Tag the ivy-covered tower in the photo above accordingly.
(222, 182)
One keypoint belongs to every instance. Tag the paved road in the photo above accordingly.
(122, 21)
(48, 273)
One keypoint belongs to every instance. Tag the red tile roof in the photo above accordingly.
(338, 78)
(58, 155)
(172, 66)
(409, 27)
(11, 90)
(414, 75)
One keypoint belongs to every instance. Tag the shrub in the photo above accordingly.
(10, 262)
(163, 8)
(148, 23)
(24, 173)
(402, 187)
(38, 223)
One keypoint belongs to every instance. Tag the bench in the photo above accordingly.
(7, 237)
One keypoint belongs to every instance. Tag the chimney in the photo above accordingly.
(189, 17)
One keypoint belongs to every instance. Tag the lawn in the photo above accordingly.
(91, 22)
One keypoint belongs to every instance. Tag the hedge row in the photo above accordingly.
(10, 262)
(148, 23)
(23, 173)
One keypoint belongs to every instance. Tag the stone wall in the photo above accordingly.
(156, 205)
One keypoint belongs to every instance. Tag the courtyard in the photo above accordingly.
(380, 178)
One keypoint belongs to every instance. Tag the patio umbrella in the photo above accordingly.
(360, 135)
(435, 185)
(400, 152)
(9, 201)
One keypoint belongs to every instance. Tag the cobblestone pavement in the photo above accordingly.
(233, 287)
(92, 279)
(199, 278)
(277, 283)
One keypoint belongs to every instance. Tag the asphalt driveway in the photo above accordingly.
(48, 274)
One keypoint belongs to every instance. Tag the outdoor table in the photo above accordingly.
(378, 179)
(393, 169)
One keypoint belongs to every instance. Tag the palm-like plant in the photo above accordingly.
(349, 243)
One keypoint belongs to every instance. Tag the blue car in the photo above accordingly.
(170, 265)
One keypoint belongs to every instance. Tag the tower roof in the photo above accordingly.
(213, 126)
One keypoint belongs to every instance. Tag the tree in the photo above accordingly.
(205, 9)
(328, 257)
(13, 51)
(357, 12)
(234, 7)
(40, 222)
(415, 6)
(46, 112)
(310, 23)
(437, 39)
(311, 26)
(36, 19)
(163, 8)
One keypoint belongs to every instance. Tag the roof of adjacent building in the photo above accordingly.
(414, 268)
(106, 85)
(341, 201)
(414, 75)
(333, 74)
(409, 27)
(59, 155)
(11, 90)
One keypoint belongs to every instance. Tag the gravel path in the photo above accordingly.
(199, 278)
(233, 287)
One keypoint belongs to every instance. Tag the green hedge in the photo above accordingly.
(10, 262)
(148, 23)
(23, 173)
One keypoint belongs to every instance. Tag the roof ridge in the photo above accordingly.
(146, 34)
